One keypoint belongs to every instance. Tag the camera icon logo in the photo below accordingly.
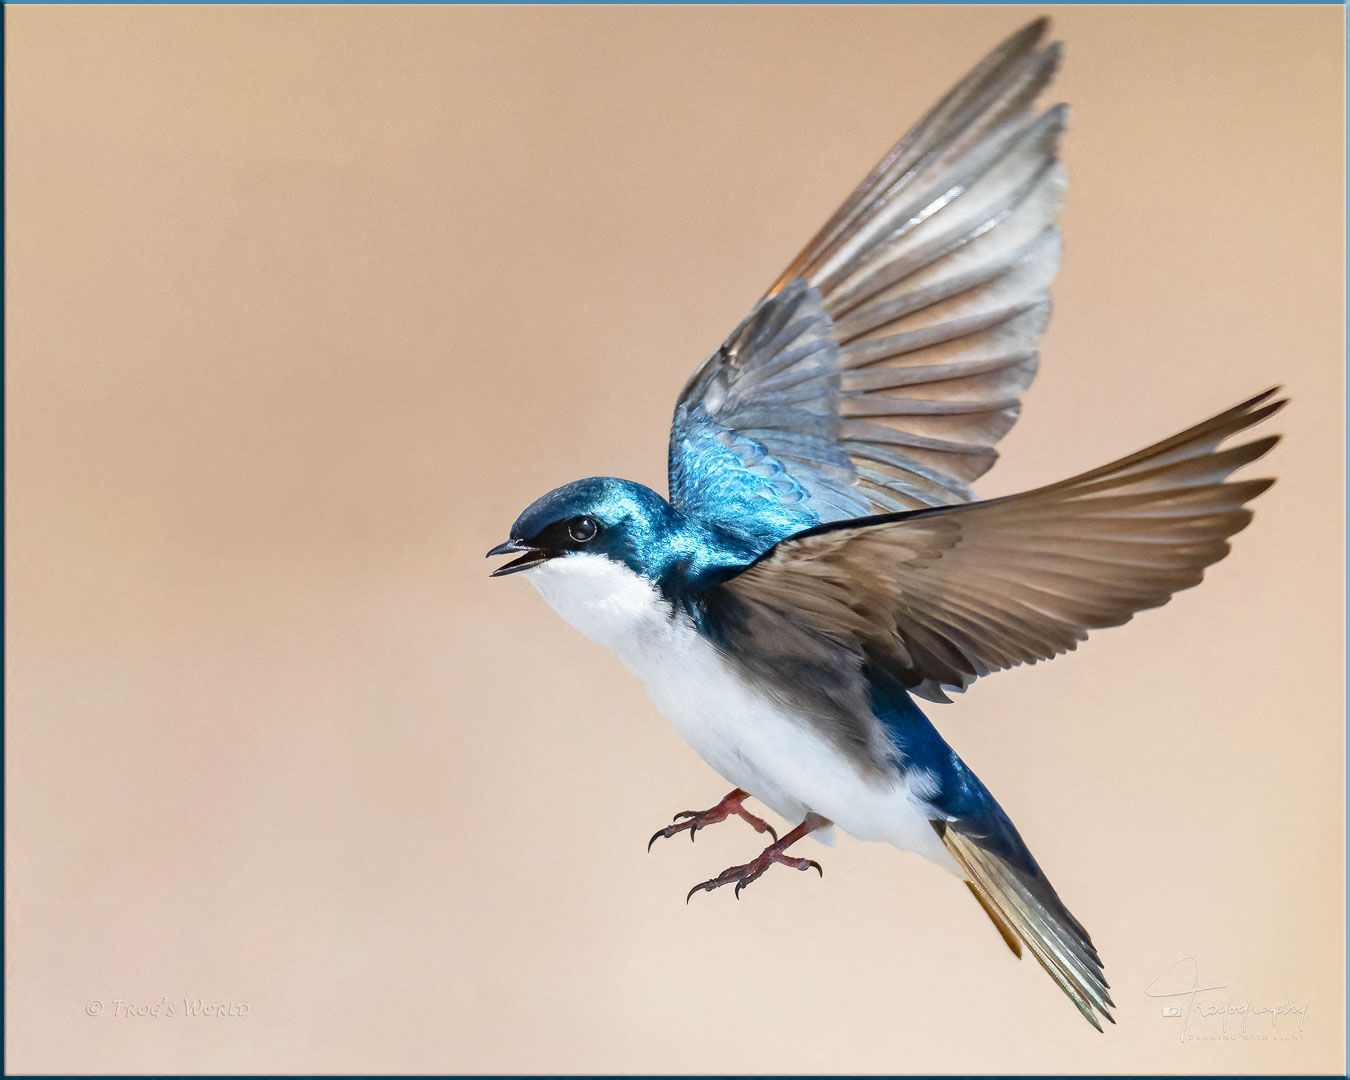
(1171, 1010)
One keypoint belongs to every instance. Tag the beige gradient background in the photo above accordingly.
(306, 304)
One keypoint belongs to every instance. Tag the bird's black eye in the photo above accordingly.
(582, 529)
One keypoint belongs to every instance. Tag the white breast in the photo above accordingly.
(756, 742)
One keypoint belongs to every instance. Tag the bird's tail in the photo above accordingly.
(1027, 911)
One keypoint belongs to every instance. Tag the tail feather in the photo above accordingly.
(1001, 924)
(1026, 910)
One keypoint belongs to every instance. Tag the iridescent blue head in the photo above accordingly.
(620, 520)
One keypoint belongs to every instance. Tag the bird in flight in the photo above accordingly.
(822, 562)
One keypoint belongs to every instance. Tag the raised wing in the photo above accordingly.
(937, 598)
(890, 356)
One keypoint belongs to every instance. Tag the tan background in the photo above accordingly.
(306, 304)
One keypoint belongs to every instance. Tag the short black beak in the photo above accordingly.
(532, 557)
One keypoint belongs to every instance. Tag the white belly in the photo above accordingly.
(755, 742)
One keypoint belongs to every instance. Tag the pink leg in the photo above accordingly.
(700, 819)
(774, 853)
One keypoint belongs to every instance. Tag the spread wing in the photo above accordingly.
(889, 358)
(937, 598)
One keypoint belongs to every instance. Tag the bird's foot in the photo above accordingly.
(741, 876)
(700, 819)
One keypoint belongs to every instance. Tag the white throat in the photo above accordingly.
(603, 599)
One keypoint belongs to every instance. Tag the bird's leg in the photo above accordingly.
(699, 819)
(774, 853)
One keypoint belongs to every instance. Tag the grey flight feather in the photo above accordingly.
(891, 355)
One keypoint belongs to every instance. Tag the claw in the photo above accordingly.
(706, 886)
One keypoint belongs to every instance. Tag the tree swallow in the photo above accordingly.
(822, 562)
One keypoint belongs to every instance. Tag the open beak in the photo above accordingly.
(531, 557)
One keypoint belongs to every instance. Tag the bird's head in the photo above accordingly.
(608, 554)
(617, 520)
